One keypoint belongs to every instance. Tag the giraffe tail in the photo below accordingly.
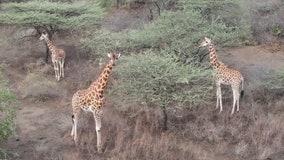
(242, 91)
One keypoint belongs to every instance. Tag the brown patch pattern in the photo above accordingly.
(92, 99)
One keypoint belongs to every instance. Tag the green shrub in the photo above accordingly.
(112, 3)
(180, 30)
(8, 104)
(276, 29)
(151, 78)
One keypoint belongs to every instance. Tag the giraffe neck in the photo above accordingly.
(100, 84)
(213, 57)
(50, 45)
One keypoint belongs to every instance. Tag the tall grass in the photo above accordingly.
(37, 85)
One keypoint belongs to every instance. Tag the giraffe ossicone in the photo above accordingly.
(92, 99)
(224, 75)
(57, 56)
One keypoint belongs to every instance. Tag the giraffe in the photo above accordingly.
(92, 99)
(224, 75)
(57, 57)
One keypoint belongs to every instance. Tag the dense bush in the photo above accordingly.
(7, 114)
(134, 3)
(150, 79)
(178, 31)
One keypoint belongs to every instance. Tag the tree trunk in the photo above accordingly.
(50, 33)
(151, 15)
(159, 9)
(46, 53)
(117, 4)
(165, 123)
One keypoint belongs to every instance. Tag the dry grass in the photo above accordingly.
(266, 134)
(201, 133)
(135, 132)
(267, 19)
(36, 84)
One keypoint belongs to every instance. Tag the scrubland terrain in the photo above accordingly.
(43, 120)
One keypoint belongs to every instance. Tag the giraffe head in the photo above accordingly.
(114, 56)
(205, 42)
(43, 36)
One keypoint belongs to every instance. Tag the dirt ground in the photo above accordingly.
(43, 124)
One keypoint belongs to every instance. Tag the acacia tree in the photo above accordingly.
(49, 17)
(151, 79)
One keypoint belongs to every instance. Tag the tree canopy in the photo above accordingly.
(46, 16)
(51, 16)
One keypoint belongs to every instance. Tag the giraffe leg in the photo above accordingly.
(62, 68)
(236, 96)
(74, 125)
(238, 100)
(238, 104)
(241, 94)
(59, 69)
(97, 117)
(234, 102)
(219, 97)
(61, 72)
(55, 65)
